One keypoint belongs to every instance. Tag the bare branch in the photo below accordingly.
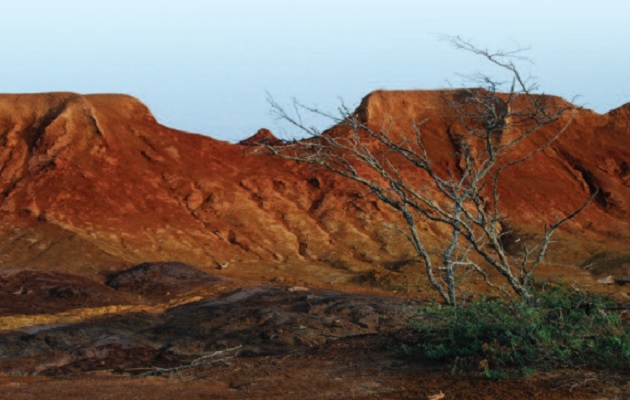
(486, 127)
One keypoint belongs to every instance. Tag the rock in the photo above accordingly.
(185, 346)
(161, 278)
(262, 137)
(298, 289)
(35, 292)
(265, 320)
(222, 266)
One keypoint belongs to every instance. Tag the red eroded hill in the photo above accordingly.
(92, 183)
(262, 137)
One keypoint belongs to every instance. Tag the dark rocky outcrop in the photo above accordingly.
(262, 137)
(29, 292)
(257, 321)
(159, 279)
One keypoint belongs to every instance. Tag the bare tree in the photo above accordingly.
(486, 125)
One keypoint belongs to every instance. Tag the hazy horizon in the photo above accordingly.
(205, 67)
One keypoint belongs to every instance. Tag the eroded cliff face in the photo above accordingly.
(592, 155)
(92, 183)
(590, 158)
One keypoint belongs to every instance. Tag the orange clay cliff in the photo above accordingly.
(90, 184)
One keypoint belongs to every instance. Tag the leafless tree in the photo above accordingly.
(486, 125)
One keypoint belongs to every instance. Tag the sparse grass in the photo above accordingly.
(559, 327)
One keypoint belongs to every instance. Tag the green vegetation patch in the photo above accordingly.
(558, 327)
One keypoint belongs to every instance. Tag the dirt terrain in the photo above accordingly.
(353, 372)
(233, 340)
(137, 261)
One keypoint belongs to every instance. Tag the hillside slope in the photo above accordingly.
(92, 183)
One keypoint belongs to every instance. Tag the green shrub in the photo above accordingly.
(558, 328)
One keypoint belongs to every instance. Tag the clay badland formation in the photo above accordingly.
(92, 185)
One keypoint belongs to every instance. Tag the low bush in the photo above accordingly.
(559, 327)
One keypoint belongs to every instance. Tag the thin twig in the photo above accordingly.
(205, 360)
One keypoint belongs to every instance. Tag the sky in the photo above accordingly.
(206, 66)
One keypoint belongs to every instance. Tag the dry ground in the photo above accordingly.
(63, 338)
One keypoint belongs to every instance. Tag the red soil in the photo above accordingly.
(93, 183)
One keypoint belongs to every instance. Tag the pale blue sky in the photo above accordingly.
(204, 66)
